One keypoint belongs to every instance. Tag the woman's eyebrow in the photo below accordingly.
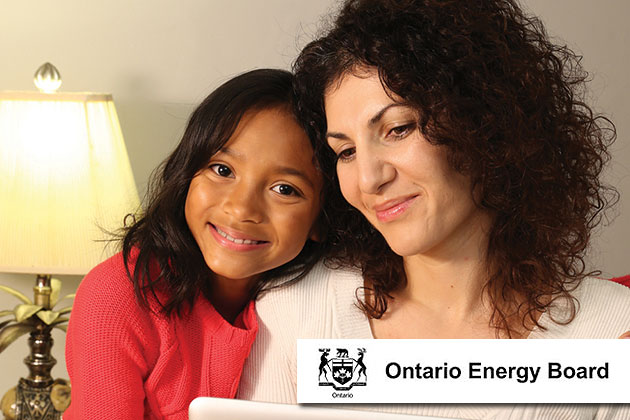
(375, 119)
(336, 135)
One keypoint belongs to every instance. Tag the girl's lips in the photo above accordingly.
(392, 209)
(238, 243)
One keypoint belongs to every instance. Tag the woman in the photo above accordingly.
(171, 317)
(457, 133)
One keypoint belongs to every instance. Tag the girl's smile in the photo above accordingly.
(235, 240)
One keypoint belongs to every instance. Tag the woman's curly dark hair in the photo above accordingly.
(159, 251)
(508, 104)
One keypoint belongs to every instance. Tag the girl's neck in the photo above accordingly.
(230, 296)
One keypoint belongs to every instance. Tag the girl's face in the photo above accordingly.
(254, 205)
(401, 183)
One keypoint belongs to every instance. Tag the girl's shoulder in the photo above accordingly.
(108, 281)
(108, 289)
(105, 310)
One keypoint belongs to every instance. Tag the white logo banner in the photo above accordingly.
(463, 371)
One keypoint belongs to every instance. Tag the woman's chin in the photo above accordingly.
(408, 247)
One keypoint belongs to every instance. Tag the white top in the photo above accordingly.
(322, 305)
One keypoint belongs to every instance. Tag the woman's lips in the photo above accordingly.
(392, 209)
(234, 240)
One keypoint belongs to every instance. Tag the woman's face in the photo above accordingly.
(401, 183)
(253, 207)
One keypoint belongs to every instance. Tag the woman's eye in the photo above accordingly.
(221, 170)
(284, 189)
(346, 154)
(402, 130)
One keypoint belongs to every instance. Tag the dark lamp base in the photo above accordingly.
(34, 403)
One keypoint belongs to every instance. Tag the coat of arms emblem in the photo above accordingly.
(342, 372)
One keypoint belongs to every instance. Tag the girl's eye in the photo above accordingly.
(346, 155)
(221, 170)
(401, 131)
(284, 189)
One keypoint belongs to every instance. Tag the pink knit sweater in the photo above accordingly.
(126, 362)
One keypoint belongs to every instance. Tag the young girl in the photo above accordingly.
(171, 317)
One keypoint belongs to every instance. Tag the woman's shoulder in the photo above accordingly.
(311, 301)
(603, 311)
(597, 293)
(314, 288)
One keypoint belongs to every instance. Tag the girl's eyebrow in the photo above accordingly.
(231, 152)
(285, 170)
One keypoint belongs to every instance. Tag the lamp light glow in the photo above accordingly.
(65, 181)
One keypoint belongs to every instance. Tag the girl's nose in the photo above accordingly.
(243, 204)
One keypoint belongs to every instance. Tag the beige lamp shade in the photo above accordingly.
(65, 181)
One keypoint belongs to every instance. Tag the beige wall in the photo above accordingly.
(599, 31)
(159, 58)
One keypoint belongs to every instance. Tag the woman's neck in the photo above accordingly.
(452, 275)
(438, 301)
(455, 286)
(444, 293)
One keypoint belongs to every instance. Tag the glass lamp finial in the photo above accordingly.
(47, 78)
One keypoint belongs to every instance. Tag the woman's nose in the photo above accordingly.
(374, 170)
(243, 205)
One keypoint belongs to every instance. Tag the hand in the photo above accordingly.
(625, 335)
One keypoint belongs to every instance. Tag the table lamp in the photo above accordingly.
(65, 185)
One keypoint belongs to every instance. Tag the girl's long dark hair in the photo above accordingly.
(160, 254)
